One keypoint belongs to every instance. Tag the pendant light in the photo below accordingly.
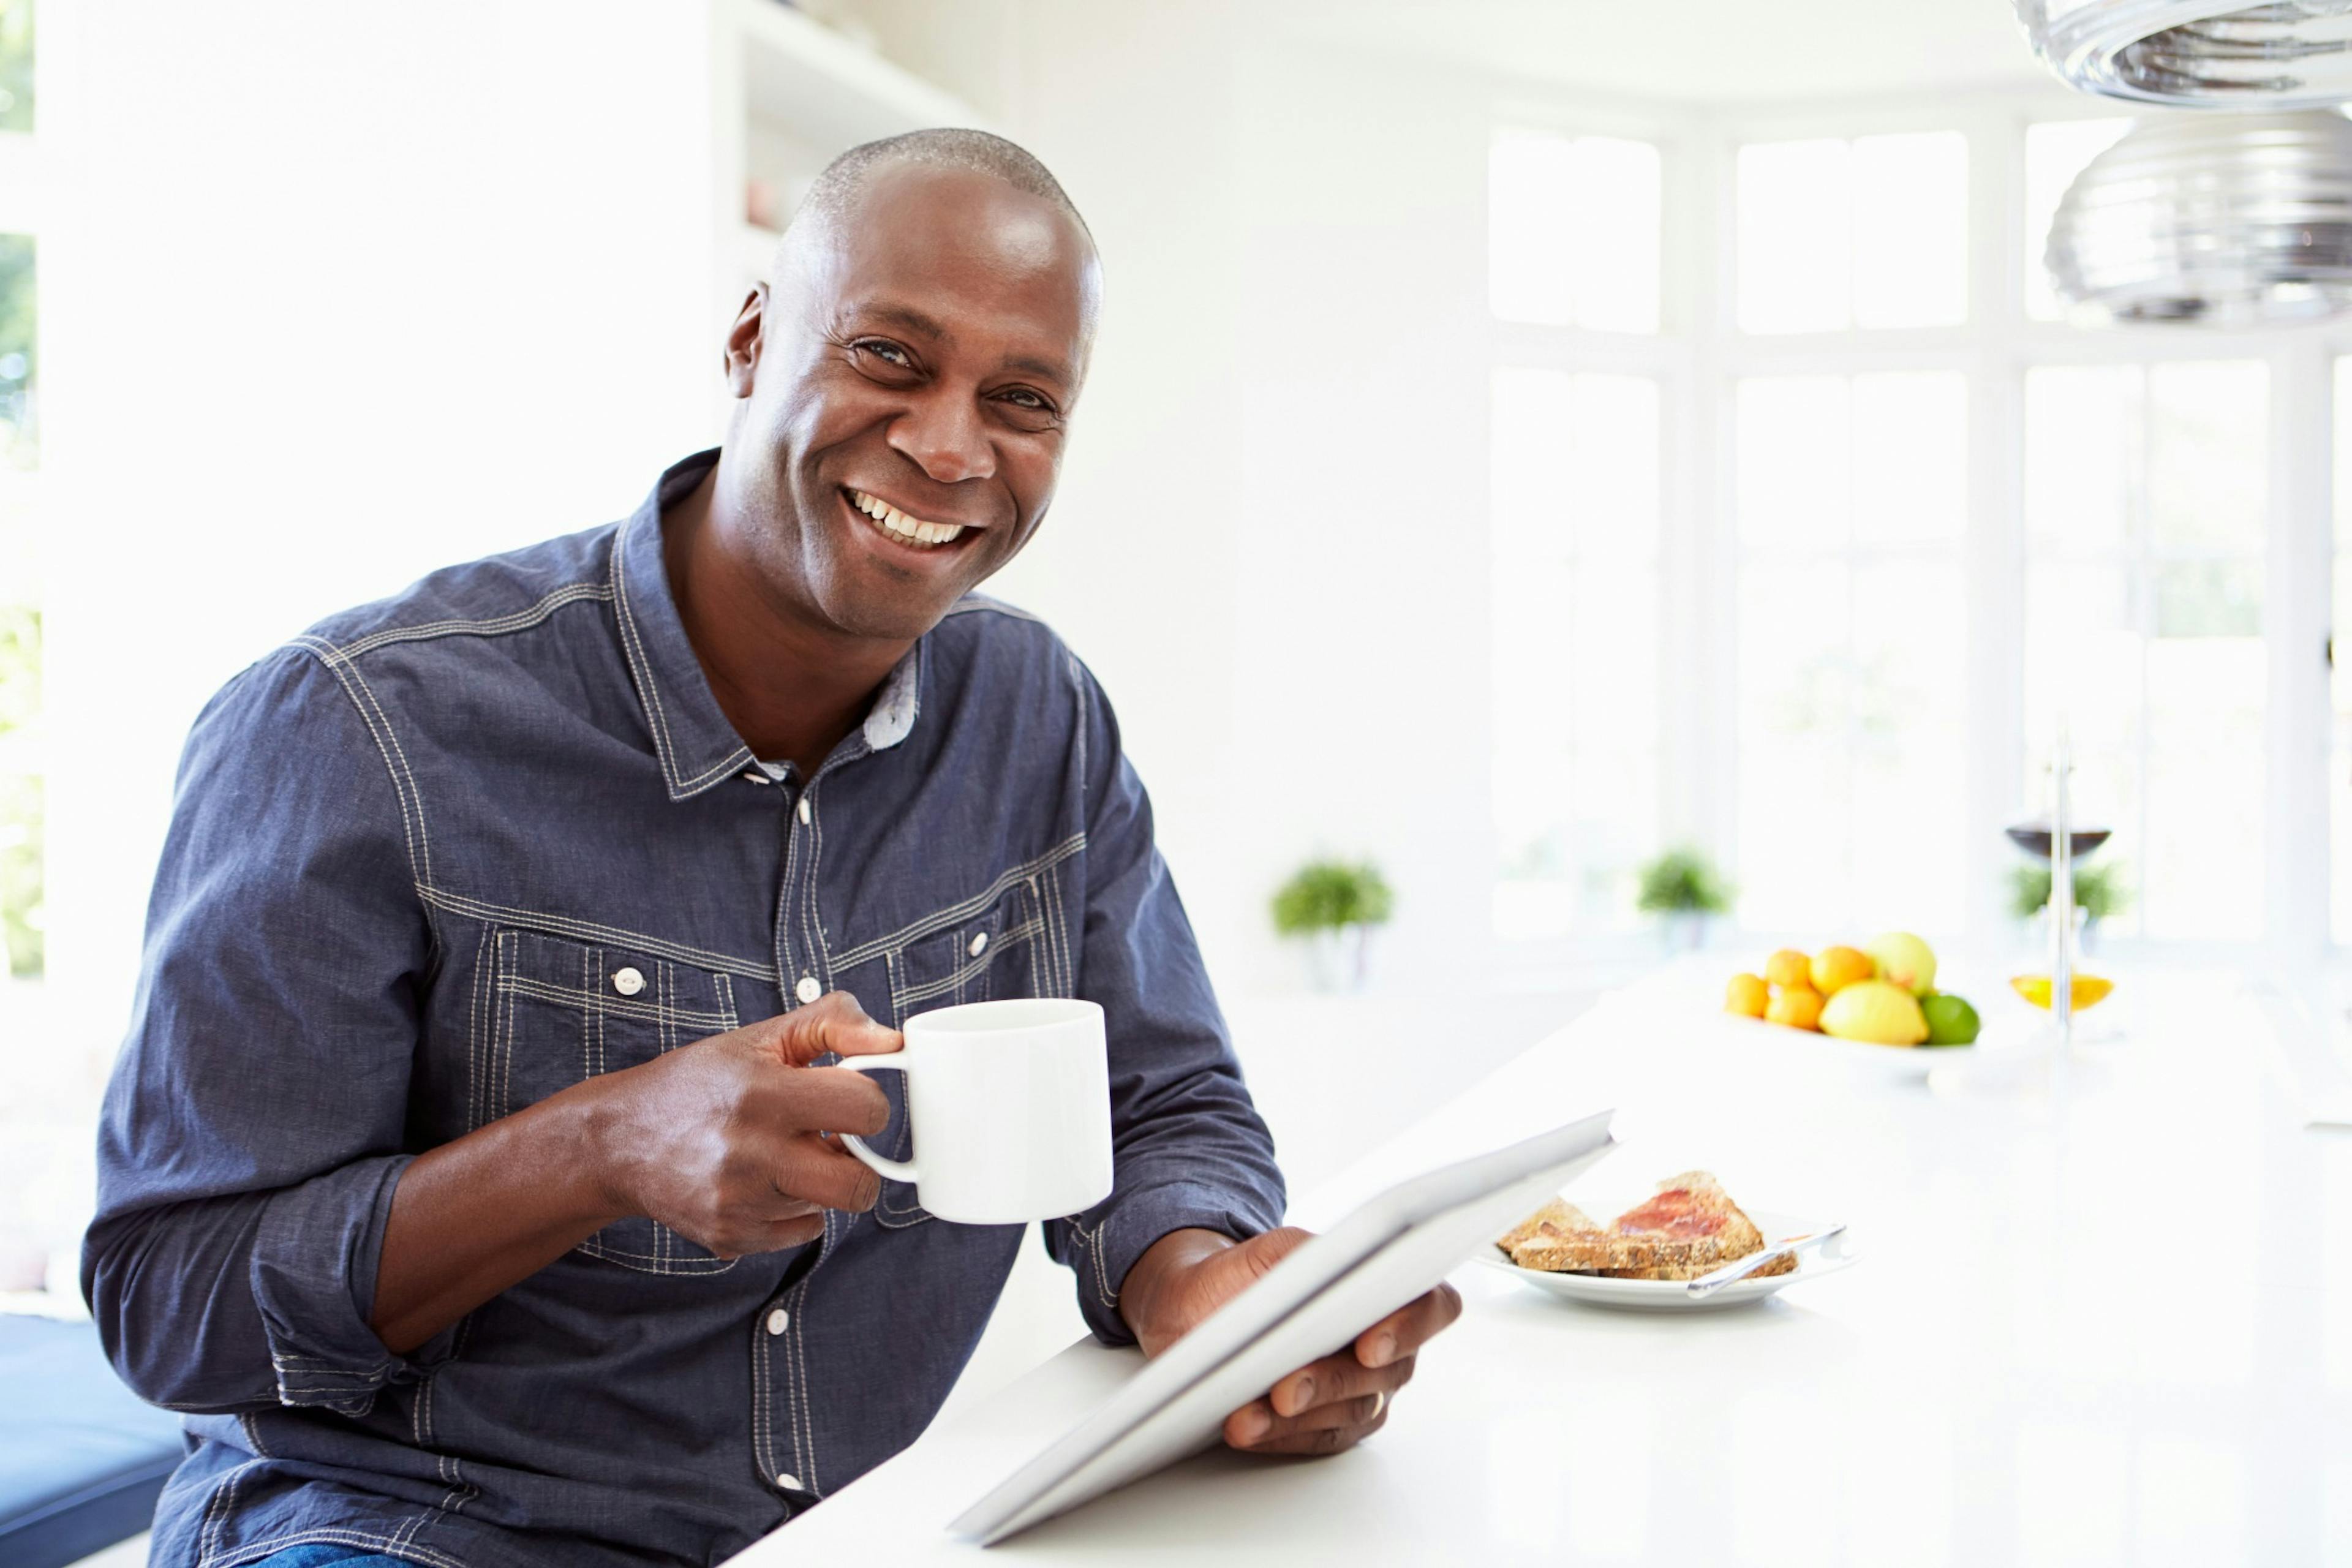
(2229, 220)
(2288, 54)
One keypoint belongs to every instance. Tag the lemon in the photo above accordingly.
(2089, 989)
(1874, 1011)
(1747, 995)
(1904, 959)
(1789, 967)
(1798, 1006)
(1835, 968)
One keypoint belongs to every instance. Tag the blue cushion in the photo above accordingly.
(81, 1459)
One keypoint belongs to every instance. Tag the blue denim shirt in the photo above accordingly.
(411, 853)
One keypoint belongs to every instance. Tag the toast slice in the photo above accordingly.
(1688, 1226)
(1695, 1227)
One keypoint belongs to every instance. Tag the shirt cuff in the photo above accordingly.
(1124, 1229)
(314, 1268)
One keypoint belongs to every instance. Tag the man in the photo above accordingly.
(468, 1177)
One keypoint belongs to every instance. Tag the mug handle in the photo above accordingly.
(890, 1061)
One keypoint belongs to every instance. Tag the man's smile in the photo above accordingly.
(903, 528)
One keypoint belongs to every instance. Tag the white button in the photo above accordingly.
(808, 990)
(776, 1321)
(756, 776)
(978, 944)
(791, 1483)
(628, 982)
(805, 811)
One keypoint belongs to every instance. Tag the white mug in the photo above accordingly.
(1009, 1103)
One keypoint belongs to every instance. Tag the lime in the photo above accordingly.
(1951, 1020)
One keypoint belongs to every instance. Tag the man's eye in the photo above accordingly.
(1022, 397)
(883, 349)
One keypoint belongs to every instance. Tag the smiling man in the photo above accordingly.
(470, 1176)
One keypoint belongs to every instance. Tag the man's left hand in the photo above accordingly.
(1323, 1407)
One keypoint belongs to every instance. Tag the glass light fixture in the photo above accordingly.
(2231, 220)
(2287, 54)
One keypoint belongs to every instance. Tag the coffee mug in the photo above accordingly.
(1009, 1103)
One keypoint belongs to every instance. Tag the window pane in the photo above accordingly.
(1796, 243)
(1793, 461)
(2147, 504)
(1573, 231)
(2081, 453)
(1910, 230)
(1576, 649)
(1852, 650)
(1530, 215)
(1616, 243)
(2056, 152)
(1910, 457)
(2207, 479)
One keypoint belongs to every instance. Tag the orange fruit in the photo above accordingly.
(1789, 967)
(1798, 1006)
(1747, 995)
(1835, 968)
(2089, 990)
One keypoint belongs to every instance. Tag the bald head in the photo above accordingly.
(974, 152)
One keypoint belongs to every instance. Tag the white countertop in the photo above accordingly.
(2104, 1316)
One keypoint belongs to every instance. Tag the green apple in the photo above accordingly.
(1904, 960)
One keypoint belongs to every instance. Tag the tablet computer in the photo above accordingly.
(1311, 1304)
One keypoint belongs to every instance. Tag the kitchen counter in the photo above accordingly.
(2104, 1315)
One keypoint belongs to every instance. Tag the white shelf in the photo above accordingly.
(823, 90)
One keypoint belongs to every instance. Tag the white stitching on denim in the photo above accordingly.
(253, 1434)
(216, 1512)
(588, 931)
(957, 913)
(813, 933)
(506, 1055)
(963, 973)
(726, 1003)
(495, 625)
(807, 1472)
(1049, 888)
(641, 666)
(591, 999)
(474, 1029)
(384, 720)
(344, 677)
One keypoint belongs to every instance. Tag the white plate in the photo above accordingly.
(1668, 1295)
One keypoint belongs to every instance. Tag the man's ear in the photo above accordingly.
(744, 340)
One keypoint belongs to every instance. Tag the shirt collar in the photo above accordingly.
(697, 746)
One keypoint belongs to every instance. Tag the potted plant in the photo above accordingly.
(1684, 888)
(2099, 891)
(1334, 905)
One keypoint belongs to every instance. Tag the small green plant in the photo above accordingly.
(1332, 895)
(1683, 882)
(2099, 891)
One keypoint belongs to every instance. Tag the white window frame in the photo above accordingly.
(1699, 356)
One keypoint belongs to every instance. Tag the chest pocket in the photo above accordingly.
(1014, 947)
(558, 1013)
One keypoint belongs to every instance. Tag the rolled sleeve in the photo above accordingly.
(1189, 1149)
(253, 1128)
(314, 1266)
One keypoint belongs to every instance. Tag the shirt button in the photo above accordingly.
(628, 982)
(805, 811)
(808, 990)
(791, 1483)
(978, 944)
(776, 1320)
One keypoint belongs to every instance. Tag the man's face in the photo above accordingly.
(908, 389)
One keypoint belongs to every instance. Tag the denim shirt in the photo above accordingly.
(448, 854)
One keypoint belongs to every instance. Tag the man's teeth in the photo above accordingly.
(898, 525)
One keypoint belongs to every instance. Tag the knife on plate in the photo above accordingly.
(1706, 1285)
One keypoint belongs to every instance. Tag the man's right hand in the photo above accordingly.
(726, 1140)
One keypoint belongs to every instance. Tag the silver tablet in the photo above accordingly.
(1309, 1305)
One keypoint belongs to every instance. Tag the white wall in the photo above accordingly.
(1271, 540)
(332, 295)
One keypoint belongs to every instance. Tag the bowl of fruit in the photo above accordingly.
(1879, 996)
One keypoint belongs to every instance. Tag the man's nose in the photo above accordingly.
(946, 438)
